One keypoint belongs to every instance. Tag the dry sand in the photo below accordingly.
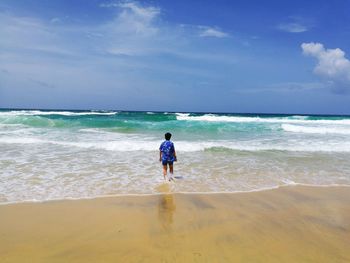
(291, 224)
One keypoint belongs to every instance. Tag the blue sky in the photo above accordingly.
(214, 56)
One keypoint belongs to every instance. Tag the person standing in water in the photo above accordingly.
(167, 156)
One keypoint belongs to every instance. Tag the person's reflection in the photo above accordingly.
(166, 209)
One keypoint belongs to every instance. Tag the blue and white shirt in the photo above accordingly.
(167, 148)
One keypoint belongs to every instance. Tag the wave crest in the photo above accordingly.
(128, 145)
(291, 119)
(316, 130)
(63, 113)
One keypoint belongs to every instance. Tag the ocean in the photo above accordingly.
(54, 155)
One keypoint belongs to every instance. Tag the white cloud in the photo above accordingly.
(211, 32)
(292, 27)
(134, 18)
(296, 24)
(146, 13)
(333, 67)
(135, 30)
(138, 30)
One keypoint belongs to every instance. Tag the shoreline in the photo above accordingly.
(290, 224)
(174, 193)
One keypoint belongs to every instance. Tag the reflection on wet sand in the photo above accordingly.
(290, 224)
(166, 209)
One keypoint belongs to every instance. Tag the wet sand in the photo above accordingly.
(291, 224)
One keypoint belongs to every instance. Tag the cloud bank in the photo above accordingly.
(332, 66)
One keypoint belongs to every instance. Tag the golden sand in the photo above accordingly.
(292, 224)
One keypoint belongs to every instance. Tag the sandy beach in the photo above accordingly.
(290, 224)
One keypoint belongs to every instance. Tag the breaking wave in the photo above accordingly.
(316, 130)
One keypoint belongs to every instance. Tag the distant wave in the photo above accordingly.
(292, 119)
(64, 113)
(127, 145)
(319, 130)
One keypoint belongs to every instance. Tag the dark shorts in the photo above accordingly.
(167, 162)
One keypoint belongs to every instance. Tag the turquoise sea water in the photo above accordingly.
(48, 155)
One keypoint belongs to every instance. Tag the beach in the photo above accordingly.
(87, 186)
(289, 224)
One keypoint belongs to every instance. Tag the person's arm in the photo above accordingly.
(175, 158)
(160, 151)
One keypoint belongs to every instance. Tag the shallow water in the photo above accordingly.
(48, 155)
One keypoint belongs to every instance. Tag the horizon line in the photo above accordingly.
(195, 112)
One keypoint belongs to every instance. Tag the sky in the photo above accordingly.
(205, 56)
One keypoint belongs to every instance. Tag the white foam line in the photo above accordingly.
(315, 129)
(175, 193)
(64, 113)
(182, 146)
(217, 118)
(316, 185)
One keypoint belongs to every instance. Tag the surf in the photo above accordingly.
(50, 154)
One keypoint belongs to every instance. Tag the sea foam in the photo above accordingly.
(130, 145)
(63, 113)
(317, 130)
(50, 155)
(239, 119)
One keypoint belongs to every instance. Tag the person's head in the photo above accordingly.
(167, 136)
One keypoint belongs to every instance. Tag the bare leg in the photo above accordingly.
(171, 170)
(165, 168)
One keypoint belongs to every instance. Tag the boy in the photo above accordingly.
(167, 155)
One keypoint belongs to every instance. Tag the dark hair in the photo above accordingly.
(167, 136)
